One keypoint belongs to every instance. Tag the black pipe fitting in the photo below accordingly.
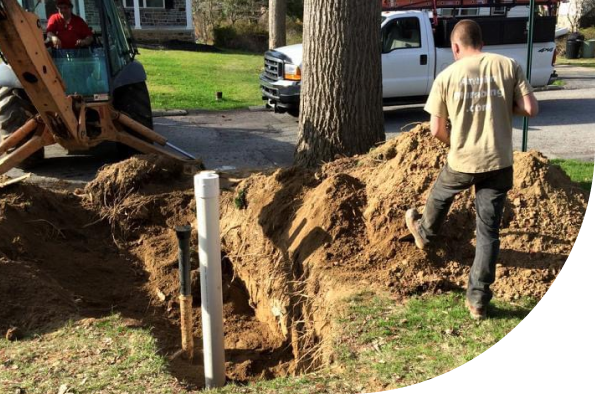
(183, 233)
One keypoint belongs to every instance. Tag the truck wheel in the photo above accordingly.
(295, 112)
(134, 101)
(15, 110)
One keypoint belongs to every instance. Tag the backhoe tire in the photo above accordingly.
(15, 110)
(134, 101)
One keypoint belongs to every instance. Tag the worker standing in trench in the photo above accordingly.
(479, 92)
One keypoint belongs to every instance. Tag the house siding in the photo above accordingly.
(157, 17)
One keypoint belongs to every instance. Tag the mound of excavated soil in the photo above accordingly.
(304, 237)
(294, 241)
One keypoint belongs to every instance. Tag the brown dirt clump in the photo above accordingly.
(294, 240)
(124, 193)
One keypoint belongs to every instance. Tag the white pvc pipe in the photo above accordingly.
(206, 188)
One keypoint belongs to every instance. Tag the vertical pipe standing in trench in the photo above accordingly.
(206, 187)
(183, 234)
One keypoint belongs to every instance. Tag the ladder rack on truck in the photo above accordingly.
(434, 5)
(399, 5)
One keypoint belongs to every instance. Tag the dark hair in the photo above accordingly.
(67, 3)
(468, 33)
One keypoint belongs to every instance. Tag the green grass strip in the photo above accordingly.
(190, 80)
(580, 172)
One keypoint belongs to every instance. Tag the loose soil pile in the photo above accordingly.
(295, 241)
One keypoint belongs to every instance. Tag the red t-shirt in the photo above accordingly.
(68, 33)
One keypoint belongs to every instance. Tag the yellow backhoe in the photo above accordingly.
(77, 98)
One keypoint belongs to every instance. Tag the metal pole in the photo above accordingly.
(529, 64)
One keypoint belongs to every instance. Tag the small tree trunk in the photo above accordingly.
(277, 15)
(341, 96)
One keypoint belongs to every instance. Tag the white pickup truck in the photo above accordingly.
(413, 53)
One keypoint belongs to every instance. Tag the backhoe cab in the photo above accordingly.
(75, 97)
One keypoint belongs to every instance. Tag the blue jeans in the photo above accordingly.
(490, 195)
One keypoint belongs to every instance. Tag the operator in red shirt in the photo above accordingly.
(66, 30)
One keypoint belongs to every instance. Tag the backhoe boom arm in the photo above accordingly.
(64, 119)
(22, 44)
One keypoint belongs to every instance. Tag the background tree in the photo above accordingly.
(576, 11)
(341, 96)
(295, 9)
(277, 28)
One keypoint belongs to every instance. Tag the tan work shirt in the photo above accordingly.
(477, 93)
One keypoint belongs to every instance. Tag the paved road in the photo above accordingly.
(258, 139)
(563, 129)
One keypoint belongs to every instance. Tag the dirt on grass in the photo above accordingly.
(295, 241)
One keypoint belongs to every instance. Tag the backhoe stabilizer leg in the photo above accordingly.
(139, 128)
(13, 140)
(149, 134)
(38, 141)
(146, 147)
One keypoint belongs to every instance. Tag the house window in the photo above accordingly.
(145, 3)
(499, 11)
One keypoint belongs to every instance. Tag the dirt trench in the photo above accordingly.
(111, 248)
(295, 243)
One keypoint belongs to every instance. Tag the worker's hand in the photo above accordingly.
(85, 42)
(56, 43)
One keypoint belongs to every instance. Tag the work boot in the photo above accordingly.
(476, 313)
(412, 221)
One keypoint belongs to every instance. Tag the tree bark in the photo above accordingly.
(277, 15)
(341, 94)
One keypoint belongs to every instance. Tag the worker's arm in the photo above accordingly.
(54, 40)
(82, 30)
(439, 129)
(85, 42)
(526, 105)
(52, 30)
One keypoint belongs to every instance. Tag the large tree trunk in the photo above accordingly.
(277, 15)
(341, 96)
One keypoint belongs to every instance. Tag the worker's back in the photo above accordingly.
(480, 91)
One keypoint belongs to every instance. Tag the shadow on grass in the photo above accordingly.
(509, 311)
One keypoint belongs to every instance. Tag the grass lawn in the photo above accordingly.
(579, 171)
(590, 62)
(380, 345)
(189, 80)
(88, 356)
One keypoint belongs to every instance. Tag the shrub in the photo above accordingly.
(242, 36)
(295, 29)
